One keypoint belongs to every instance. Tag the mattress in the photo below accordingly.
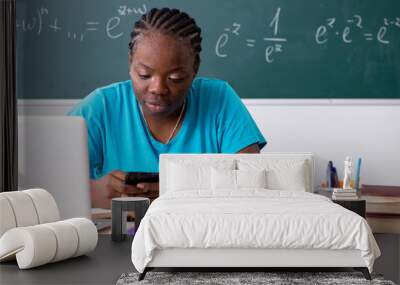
(251, 219)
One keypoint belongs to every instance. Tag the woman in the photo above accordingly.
(163, 108)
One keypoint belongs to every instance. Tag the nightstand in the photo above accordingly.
(357, 206)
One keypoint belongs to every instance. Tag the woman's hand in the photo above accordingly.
(151, 190)
(113, 185)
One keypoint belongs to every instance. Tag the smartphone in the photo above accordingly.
(133, 178)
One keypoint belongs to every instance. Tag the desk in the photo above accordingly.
(104, 265)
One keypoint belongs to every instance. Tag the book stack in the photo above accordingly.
(382, 207)
(344, 194)
(102, 219)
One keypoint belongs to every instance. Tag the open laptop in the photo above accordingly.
(53, 155)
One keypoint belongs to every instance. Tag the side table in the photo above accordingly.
(119, 207)
(357, 206)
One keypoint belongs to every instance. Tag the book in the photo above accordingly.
(341, 190)
(345, 198)
(100, 213)
(344, 194)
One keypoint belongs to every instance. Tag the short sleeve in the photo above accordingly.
(236, 127)
(90, 109)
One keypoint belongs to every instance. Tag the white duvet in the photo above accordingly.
(250, 219)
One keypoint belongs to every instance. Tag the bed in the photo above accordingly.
(245, 211)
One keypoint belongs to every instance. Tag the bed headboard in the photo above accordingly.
(307, 157)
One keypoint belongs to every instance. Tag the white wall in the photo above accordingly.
(331, 129)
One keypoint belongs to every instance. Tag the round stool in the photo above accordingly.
(119, 207)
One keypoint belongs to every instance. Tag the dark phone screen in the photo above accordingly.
(133, 178)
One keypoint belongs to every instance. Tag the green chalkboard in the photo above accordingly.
(264, 48)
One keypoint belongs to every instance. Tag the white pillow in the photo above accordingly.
(222, 179)
(287, 179)
(182, 178)
(251, 178)
(281, 174)
(188, 175)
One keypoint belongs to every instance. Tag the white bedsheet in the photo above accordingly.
(250, 219)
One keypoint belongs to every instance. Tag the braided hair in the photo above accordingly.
(172, 22)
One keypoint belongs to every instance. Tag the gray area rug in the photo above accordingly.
(270, 278)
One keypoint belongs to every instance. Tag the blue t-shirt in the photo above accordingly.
(215, 121)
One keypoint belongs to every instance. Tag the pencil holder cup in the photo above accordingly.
(120, 207)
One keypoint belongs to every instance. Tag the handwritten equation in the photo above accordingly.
(356, 22)
(42, 20)
(275, 44)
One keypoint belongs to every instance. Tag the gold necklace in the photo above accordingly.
(176, 125)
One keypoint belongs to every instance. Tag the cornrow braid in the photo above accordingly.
(172, 22)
